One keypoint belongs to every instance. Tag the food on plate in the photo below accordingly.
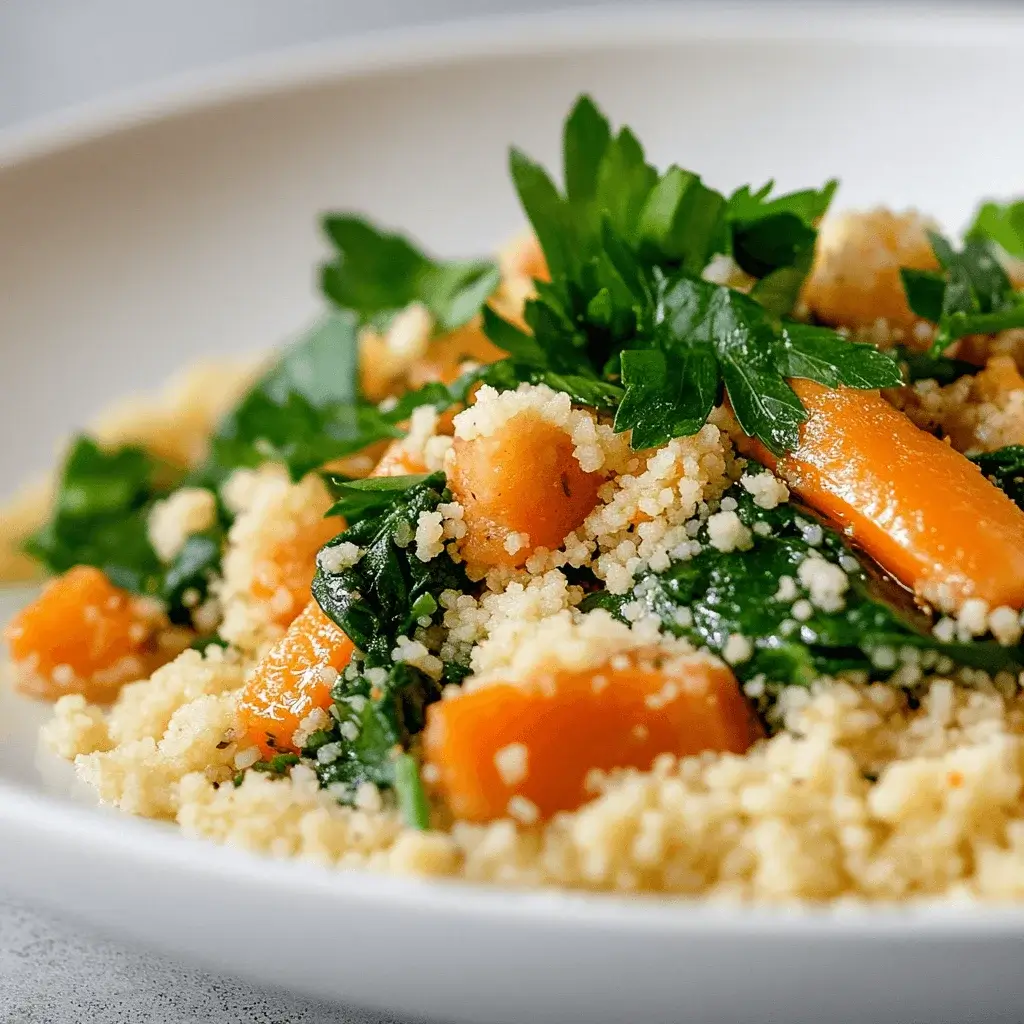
(678, 549)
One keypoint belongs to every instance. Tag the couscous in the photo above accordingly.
(680, 549)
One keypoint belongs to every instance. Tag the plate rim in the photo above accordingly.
(617, 25)
(408, 49)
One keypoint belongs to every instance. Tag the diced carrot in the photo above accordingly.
(521, 488)
(523, 257)
(538, 741)
(855, 280)
(294, 677)
(84, 635)
(447, 355)
(397, 460)
(284, 572)
(922, 510)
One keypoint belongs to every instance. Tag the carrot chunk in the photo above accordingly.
(537, 742)
(448, 355)
(294, 677)
(922, 510)
(84, 635)
(283, 573)
(521, 488)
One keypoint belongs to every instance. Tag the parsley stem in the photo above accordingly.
(412, 801)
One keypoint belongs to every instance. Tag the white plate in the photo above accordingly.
(137, 237)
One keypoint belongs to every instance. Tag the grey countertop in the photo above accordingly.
(53, 54)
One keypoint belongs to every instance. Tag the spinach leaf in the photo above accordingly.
(379, 703)
(376, 713)
(381, 597)
(376, 275)
(99, 516)
(1005, 468)
(738, 592)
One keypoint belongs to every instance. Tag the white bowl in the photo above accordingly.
(142, 235)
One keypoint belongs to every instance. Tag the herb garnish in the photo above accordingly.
(1003, 223)
(972, 293)
(379, 704)
(627, 307)
(1005, 468)
(100, 512)
(376, 275)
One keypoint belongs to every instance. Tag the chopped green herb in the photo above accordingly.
(1002, 223)
(1005, 468)
(279, 764)
(923, 366)
(100, 514)
(739, 592)
(971, 295)
(412, 801)
(627, 308)
(373, 600)
(377, 274)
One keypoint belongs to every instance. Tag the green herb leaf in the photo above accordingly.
(306, 410)
(819, 354)
(1005, 468)
(1002, 223)
(972, 294)
(736, 592)
(412, 801)
(627, 321)
(707, 333)
(361, 499)
(99, 516)
(377, 274)
(373, 600)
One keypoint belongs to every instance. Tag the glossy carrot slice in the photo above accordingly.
(507, 749)
(922, 510)
(294, 677)
(521, 488)
(84, 635)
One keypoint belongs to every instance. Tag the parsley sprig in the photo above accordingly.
(376, 274)
(971, 294)
(627, 322)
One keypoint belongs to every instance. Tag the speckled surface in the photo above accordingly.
(57, 972)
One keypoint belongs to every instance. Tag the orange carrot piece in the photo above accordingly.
(522, 479)
(284, 573)
(294, 677)
(538, 741)
(398, 461)
(84, 635)
(922, 510)
(447, 355)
